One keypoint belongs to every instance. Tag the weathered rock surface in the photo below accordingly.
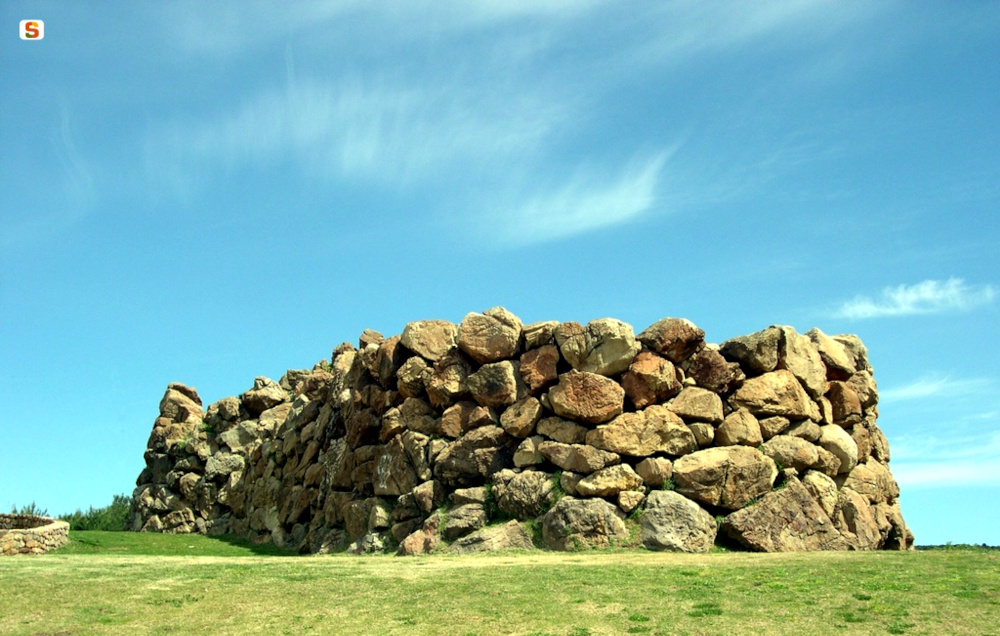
(408, 442)
(775, 393)
(587, 397)
(727, 477)
(786, 520)
(674, 523)
(604, 346)
(509, 536)
(655, 429)
(574, 523)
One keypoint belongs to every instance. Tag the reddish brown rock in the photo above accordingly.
(495, 385)
(712, 371)
(674, 338)
(538, 367)
(845, 403)
(650, 379)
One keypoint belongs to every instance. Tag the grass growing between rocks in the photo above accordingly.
(123, 583)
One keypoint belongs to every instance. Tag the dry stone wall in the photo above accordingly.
(492, 434)
(30, 534)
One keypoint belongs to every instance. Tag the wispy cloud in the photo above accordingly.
(352, 128)
(586, 202)
(931, 461)
(927, 297)
(933, 386)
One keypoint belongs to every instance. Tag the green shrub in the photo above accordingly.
(110, 518)
(31, 509)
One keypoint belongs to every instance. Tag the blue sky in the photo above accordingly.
(201, 193)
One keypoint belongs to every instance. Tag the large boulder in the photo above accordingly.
(463, 519)
(539, 367)
(430, 339)
(856, 521)
(403, 465)
(710, 370)
(491, 336)
(587, 397)
(523, 495)
(726, 476)
(654, 471)
(756, 352)
(448, 380)
(560, 430)
(791, 452)
(495, 384)
(840, 365)
(674, 338)
(695, 403)
(181, 403)
(839, 442)
(520, 418)
(475, 456)
(577, 458)
(799, 355)
(786, 520)
(739, 427)
(610, 481)
(574, 523)
(874, 481)
(655, 429)
(775, 393)
(650, 379)
(604, 346)
(509, 536)
(674, 523)
(265, 394)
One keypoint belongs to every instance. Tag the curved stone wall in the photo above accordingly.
(29, 534)
(576, 435)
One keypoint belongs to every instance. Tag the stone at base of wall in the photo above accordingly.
(29, 534)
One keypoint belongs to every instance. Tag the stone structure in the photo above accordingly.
(575, 435)
(30, 534)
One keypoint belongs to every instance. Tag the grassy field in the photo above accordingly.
(123, 583)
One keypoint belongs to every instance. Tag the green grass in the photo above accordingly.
(123, 583)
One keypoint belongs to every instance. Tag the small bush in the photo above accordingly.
(110, 518)
(31, 509)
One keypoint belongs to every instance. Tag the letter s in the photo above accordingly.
(31, 30)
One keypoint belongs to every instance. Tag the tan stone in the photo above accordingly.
(650, 379)
(577, 458)
(845, 403)
(791, 452)
(823, 489)
(839, 363)
(652, 430)
(610, 481)
(527, 453)
(489, 339)
(447, 381)
(561, 430)
(739, 427)
(606, 346)
(771, 426)
(786, 520)
(839, 442)
(519, 419)
(654, 471)
(697, 404)
(629, 500)
(430, 338)
(674, 338)
(775, 393)
(587, 397)
(704, 434)
(799, 355)
(538, 367)
(756, 352)
(410, 377)
(538, 334)
(727, 476)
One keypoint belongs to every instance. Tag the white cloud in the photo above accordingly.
(933, 386)
(928, 461)
(351, 129)
(927, 297)
(984, 472)
(584, 203)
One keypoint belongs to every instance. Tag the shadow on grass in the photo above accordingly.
(152, 544)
